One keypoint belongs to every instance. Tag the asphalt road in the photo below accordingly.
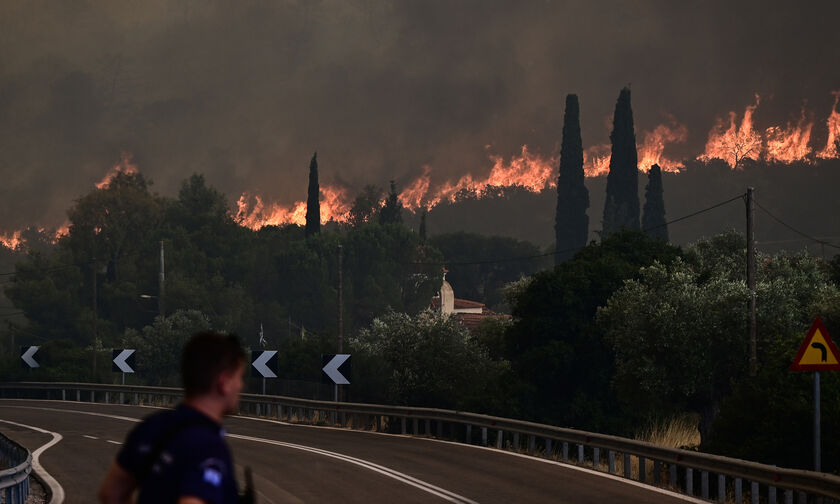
(297, 463)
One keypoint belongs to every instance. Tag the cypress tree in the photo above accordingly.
(313, 202)
(423, 226)
(653, 219)
(621, 210)
(391, 213)
(571, 224)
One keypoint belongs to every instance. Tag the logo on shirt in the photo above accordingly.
(212, 476)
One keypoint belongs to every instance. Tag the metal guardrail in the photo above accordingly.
(14, 481)
(721, 478)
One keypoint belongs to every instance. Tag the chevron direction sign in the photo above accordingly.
(263, 363)
(336, 368)
(123, 361)
(27, 354)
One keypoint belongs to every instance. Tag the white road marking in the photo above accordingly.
(114, 442)
(89, 437)
(55, 487)
(385, 471)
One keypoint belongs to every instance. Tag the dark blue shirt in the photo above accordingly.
(193, 458)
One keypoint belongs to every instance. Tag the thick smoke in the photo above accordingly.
(245, 91)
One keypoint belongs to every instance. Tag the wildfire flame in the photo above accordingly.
(833, 124)
(252, 211)
(596, 159)
(125, 165)
(11, 240)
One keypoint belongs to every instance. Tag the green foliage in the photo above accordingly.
(427, 360)
(621, 209)
(555, 347)
(366, 206)
(653, 219)
(571, 224)
(159, 346)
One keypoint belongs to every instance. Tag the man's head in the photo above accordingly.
(212, 364)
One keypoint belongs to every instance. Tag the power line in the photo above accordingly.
(800, 233)
(574, 249)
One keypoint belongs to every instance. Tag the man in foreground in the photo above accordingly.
(180, 456)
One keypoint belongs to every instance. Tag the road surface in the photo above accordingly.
(299, 463)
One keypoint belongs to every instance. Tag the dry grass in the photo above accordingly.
(679, 431)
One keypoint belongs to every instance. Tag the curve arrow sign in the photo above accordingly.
(123, 360)
(337, 367)
(263, 361)
(28, 356)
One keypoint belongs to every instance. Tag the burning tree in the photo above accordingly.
(571, 224)
(621, 210)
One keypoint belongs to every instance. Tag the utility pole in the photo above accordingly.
(95, 336)
(161, 288)
(340, 286)
(751, 278)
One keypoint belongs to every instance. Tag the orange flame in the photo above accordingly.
(125, 165)
(789, 144)
(11, 240)
(253, 213)
(734, 144)
(596, 159)
(833, 124)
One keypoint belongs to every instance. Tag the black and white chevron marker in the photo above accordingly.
(27, 354)
(123, 361)
(336, 368)
(263, 363)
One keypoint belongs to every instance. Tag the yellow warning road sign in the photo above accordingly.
(818, 352)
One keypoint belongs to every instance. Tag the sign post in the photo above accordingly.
(122, 361)
(817, 353)
(336, 368)
(263, 363)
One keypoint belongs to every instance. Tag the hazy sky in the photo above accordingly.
(244, 91)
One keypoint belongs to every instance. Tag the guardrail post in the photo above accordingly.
(754, 492)
(428, 427)
(642, 470)
(92, 396)
(532, 444)
(627, 473)
(672, 476)
(469, 434)
(500, 439)
(803, 498)
(596, 458)
(78, 395)
(788, 496)
(611, 462)
(484, 436)
(515, 441)
(657, 467)
(580, 453)
(414, 426)
(439, 429)
(402, 424)
(739, 495)
(689, 481)
(704, 484)
(547, 448)
(771, 495)
(63, 395)
(721, 488)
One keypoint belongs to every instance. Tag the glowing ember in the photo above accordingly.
(124, 166)
(833, 124)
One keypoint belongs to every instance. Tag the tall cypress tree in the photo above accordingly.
(313, 202)
(653, 219)
(391, 212)
(621, 209)
(571, 224)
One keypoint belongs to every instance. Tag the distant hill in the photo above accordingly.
(803, 195)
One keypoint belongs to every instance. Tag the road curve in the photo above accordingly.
(299, 463)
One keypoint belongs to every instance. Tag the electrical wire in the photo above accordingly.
(800, 233)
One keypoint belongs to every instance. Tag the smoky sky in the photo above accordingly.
(245, 91)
